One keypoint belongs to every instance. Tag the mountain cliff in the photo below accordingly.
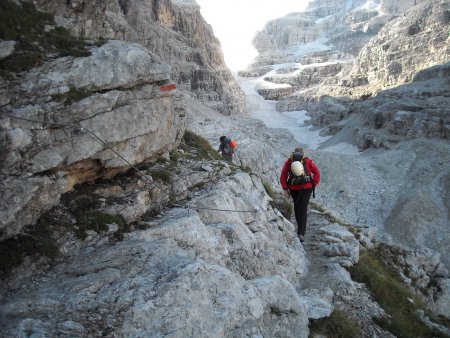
(113, 91)
(173, 30)
(401, 56)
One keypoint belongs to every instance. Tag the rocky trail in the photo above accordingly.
(327, 278)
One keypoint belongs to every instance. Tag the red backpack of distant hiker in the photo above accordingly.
(233, 144)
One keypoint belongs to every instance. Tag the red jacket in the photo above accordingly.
(311, 168)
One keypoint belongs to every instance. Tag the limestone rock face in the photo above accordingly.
(416, 110)
(384, 66)
(79, 119)
(49, 146)
(305, 76)
(173, 30)
(398, 6)
(407, 46)
(205, 272)
(318, 42)
(321, 19)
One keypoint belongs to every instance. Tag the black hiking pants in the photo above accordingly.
(301, 201)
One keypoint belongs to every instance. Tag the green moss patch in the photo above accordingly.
(98, 221)
(35, 39)
(84, 205)
(396, 298)
(199, 146)
(36, 241)
(73, 95)
(335, 326)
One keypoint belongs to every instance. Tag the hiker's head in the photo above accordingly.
(222, 138)
(299, 150)
(298, 154)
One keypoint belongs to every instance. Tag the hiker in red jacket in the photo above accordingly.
(226, 149)
(298, 179)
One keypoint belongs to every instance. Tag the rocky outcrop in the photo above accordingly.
(398, 7)
(78, 118)
(406, 46)
(425, 114)
(305, 76)
(185, 271)
(6, 48)
(49, 146)
(275, 94)
(173, 30)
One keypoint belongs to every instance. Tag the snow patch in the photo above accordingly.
(370, 6)
(185, 3)
(296, 122)
(312, 47)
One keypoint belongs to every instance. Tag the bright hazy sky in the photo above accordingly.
(235, 22)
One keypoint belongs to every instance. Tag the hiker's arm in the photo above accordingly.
(284, 175)
(316, 173)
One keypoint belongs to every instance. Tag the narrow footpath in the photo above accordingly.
(327, 279)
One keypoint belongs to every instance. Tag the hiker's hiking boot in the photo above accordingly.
(302, 238)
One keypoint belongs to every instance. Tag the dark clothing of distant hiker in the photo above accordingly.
(225, 148)
(300, 193)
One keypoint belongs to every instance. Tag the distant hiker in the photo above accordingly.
(298, 179)
(226, 149)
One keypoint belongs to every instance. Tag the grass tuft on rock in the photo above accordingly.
(199, 146)
(163, 175)
(73, 95)
(335, 326)
(279, 201)
(400, 304)
(36, 241)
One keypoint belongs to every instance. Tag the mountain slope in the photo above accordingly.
(389, 93)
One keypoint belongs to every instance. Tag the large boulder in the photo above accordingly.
(49, 146)
(200, 270)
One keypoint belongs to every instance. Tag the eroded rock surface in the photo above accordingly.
(51, 146)
(174, 31)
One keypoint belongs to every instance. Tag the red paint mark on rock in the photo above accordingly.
(168, 87)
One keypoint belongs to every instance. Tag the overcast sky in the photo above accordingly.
(235, 22)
